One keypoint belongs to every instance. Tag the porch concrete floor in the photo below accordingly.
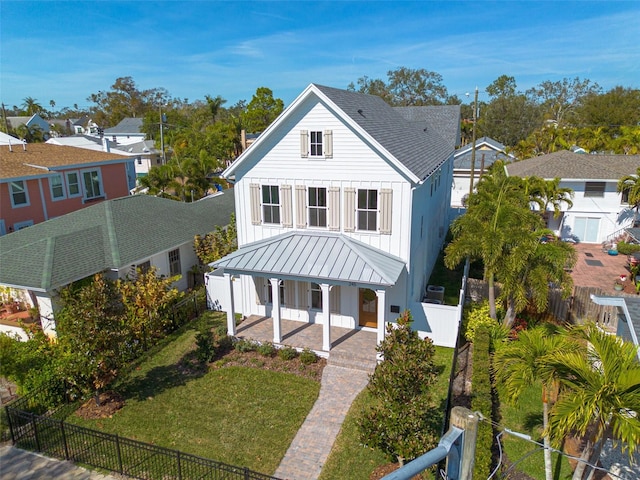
(302, 334)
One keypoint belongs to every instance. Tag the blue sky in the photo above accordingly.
(66, 50)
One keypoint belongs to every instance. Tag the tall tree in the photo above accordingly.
(261, 110)
(616, 107)
(601, 397)
(560, 99)
(498, 217)
(31, 106)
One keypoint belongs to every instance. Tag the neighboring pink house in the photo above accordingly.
(40, 181)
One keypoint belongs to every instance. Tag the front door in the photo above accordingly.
(368, 311)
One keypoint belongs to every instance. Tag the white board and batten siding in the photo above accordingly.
(352, 165)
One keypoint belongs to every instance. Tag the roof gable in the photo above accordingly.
(414, 149)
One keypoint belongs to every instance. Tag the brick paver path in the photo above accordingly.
(310, 448)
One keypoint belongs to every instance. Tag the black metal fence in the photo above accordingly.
(55, 438)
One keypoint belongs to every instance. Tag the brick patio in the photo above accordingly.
(596, 268)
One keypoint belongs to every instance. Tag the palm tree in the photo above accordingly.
(601, 395)
(631, 184)
(31, 106)
(531, 269)
(518, 364)
(498, 218)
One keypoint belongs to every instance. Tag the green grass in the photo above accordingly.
(237, 415)
(526, 417)
(349, 459)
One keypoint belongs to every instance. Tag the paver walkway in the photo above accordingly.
(16, 464)
(311, 446)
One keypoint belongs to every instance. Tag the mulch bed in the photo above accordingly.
(110, 403)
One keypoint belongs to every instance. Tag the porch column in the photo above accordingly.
(326, 312)
(231, 315)
(275, 310)
(382, 309)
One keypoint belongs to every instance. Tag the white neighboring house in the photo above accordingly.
(599, 212)
(488, 151)
(342, 207)
(126, 132)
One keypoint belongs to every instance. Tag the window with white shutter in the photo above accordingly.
(334, 209)
(285, 193)
(386, 204)
(301, 206)
(304, 143)
(254, 194)
(328, 144)
(349, 209)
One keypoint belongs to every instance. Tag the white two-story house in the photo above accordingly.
(342, 208)
(599, 211)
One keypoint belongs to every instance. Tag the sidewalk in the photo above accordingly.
(311, 446)
(18, 464)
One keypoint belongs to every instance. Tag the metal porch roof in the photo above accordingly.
(314, 255)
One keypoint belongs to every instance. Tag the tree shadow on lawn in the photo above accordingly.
(164, 377)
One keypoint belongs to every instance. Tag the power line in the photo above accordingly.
(528, 438)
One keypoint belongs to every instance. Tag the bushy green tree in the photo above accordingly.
(92, 335)
(401, 420)
(261, 110)
(218, 243)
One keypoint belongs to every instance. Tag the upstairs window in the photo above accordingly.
(19, 194)
(594, 189)
(317, 207)
(57, 187)
(316, 144)
(73, 184)
(92, 184)
(271, 204)
(367, 210)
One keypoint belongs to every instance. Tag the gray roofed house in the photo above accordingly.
(113, 236)
(129, 130)
(599, 213)
(342, 206)
(628, 321)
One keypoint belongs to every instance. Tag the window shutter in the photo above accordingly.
(304, 143)
(285, 198)
(289, 293)
(334, 295)
(303, 295)
(254, 191)
(301, 206)
(349, 209)
(328, 144)
(260, 283)
(334, 209)
(386, 203)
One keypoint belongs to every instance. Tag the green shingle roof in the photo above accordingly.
(108, 235)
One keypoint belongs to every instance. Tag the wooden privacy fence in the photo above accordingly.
(577, 309)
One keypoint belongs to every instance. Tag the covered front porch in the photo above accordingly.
(349, 346)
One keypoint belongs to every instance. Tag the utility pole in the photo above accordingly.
(162, 134)
(473, 141)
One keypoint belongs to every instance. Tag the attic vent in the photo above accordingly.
(360, 112)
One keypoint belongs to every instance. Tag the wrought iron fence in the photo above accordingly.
(55, 438)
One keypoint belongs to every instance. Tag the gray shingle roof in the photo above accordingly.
(319, 255)
(578, 166)
(490, 148)
(443, 119)
(633, 305)
(126, 125)
(421, 152)
(111, 234)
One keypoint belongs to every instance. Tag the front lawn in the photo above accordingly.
(238, 415)
(349, 459)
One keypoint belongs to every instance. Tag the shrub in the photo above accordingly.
(245, 346)
(205, 346)
(308, 356)
(400, 419)
(287, 353)
(267, 349)
(628, 248)
(481, 400)
(475, 318)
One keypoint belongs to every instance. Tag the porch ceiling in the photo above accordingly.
(323, 256)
